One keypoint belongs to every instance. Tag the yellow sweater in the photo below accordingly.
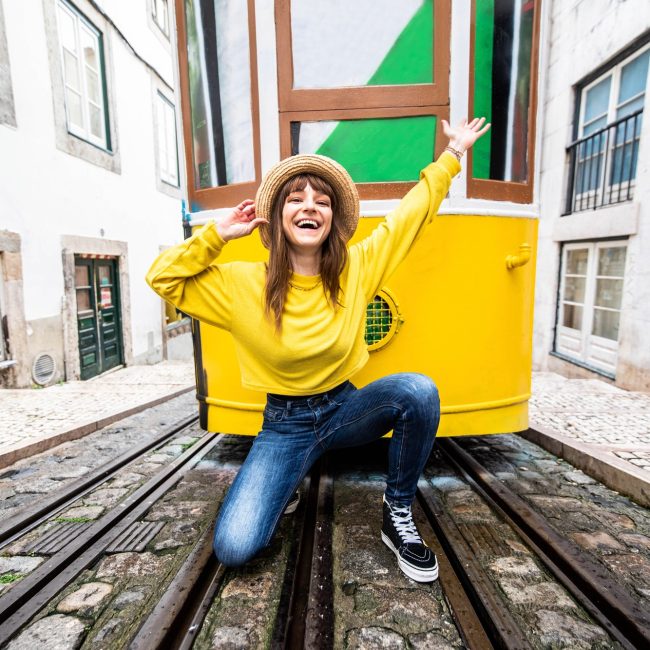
(319, 347)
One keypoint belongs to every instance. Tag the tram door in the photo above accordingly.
(98, 315)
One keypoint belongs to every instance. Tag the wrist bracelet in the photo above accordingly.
(456, 152)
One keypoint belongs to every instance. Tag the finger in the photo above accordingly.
(244, 203)
(257, 222)
(249, 209)
(479, 124)
(472, 124)
(463, 122)
(485, 129)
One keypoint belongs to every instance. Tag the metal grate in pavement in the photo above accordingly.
(135, 537)
(56, 538)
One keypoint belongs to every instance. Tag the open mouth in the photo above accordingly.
(307, 224)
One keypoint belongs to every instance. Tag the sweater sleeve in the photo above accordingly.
(386, 247)
(186, 277)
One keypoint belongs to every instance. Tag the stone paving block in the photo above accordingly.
(133, 565)
(598, 541)
(562, 631)
(56, 632)
(19, 564)
(85, 599)
(84, 513)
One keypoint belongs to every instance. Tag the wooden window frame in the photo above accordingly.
(366, 102)
(224, 195)
(379, 190)
(517, 192)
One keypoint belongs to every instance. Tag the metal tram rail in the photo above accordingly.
(34, 591)
(305, 616)
(45, 508)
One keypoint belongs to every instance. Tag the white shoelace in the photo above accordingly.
(403, 521)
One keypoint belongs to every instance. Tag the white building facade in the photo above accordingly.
(90, 189)
(592, 304)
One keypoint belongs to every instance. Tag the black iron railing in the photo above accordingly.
(603, 165)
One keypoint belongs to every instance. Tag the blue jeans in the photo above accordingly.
(297, 431)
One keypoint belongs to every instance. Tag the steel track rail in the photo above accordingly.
(310, 622)
(498, 626)
(34, 591)
(610, 605)
(45, 508)
(177, 618)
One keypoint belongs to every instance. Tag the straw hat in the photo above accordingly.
(347, 196)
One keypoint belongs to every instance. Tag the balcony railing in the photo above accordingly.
(603, 165)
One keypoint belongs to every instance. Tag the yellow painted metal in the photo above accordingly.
(468, 322)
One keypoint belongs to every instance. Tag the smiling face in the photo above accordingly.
(307, 218)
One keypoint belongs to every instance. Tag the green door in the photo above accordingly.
(98, 315)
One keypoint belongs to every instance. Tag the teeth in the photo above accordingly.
(307, 223)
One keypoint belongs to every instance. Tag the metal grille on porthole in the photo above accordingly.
(383, 319)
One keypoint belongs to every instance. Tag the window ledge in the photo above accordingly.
(7, 364)
(615, 221)
(582, 364)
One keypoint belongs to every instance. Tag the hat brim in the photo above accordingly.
(335, 174)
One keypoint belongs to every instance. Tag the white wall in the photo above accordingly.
(584, 35)
(47, 193)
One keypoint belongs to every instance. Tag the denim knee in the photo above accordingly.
(232, 548)
(419, 392)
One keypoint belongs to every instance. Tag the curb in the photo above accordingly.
(66, 435)
(615, 473)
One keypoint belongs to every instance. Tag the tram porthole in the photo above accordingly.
(383, 320)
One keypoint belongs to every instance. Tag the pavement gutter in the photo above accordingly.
(12, 455)
(601, 465)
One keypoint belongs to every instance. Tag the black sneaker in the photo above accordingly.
(401, 536)
(293, 504)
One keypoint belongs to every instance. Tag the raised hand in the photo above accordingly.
(463, 136)
(240, 222)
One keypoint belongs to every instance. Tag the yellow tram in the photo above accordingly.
(366, 82)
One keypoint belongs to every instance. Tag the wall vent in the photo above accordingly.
(43, 369)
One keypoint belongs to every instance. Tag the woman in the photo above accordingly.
(298, 324)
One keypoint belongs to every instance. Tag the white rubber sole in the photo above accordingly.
(415, 574)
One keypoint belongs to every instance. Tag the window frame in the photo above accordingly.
(223, 195)
(591, 276)
(496, 190)
(408, 100)
(85, 134)
(154, 16)
(615, 70)
(161, 102)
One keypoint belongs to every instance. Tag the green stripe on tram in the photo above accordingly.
(392, 149)
(483, 54)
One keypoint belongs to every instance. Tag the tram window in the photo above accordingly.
(372, 150)
(83, 75)
(218, 57)
(360, 43)
(502, 75)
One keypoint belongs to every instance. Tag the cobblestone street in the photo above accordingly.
(35, 420)
(374, 605)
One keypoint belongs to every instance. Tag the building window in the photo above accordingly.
(603, 159)
(160, 15)
(83, 76)
(370, 92)
(502, 88)
(589, 310)
(167, 148)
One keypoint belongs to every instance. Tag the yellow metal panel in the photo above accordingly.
(468, 322)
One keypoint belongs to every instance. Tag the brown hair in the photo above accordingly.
(334, 253)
